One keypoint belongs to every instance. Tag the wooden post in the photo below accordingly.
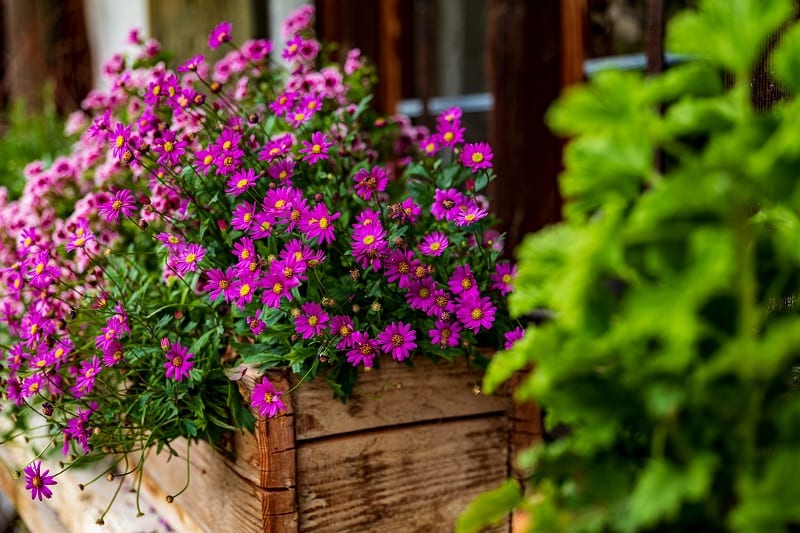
(574, 17)
(654, 34)
(25, 50)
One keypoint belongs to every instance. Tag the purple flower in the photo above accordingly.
(37, 481)
(218, 284)
(276, 287)
(188, 258)
(399, 266)
(120, 140)
(450, 133)
(112, 354)
(266, 399)
(470, 215)
(513, 336)
(369, 182)
(242, 291)
(77, 429)
(420, 294)
(476, 312)
(282, 171)
(169, 149)
(477, 156)
(192, 64)
(319, 224)
(342, 326)
(503, 277)
(243, 215)
(397, 340)
(434, 244)
(369, 246)
(32, 384)
(462, 281)
(363, 351)
(87, 374)
(316, 149)
(257, 326)
(241, 181)
(445, 333)
(220, 34)
(311, 322)
(122, 203)
(179, 362)
(447, 204)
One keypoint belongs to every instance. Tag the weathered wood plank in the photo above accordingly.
(394, 394)
(71, 509)
(415, 478)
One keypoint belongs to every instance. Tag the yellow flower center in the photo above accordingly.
(224, 284)
(190, 258)
(312, 320)
(466, 283)
(369, 239)
(247, 217)
(207, 160)
(449, 136)
(507, 278)
(177, 361)
(476, 314)
(316, 148)
(424, 292)
(245, 253)
(117, 205)
(397, 339)
(430, 148)
(435, 245)
(245, 290)
(33, 387)
(120, 141)
(345, 331)
(39, 268)
(477, 157)
(323, 223)
(269, 397)
(277, 288)
(241, 184)
(169, 147)
(227, 145)
(280, 204)
(299, 117)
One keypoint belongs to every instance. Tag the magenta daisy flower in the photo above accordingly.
(221, 34)
(112, 354)
(316, 149)
(512, 337)
(80, 237)
(311, 322)
(266, 399)
(399, 266)
(476, 312)
(449, 115)
(462, 281)
(191, 64)
(471, 214)
(33, 383)
(503, 277)
(179, 362)
(276, 148)
(262, 226)
(397, 340)
(276, 287)
(434, 244)
(38, 482)
(242, 290)
(450, 133)
(120, 140)
(243, 215)
(420, 294)
(169, 149)
(282, 171)
(218, 284)
(441, 305)
(477, 156)
(122, 203)
(363, 351)
(409, 211)
(283, 102)
(369, 246)
(445, 333)
(319, 224)
(84, 383)
(342, 326)
(188, 258)
(77, 429)
(447, 204)
(241, 181)
(369, 182)
(429, 145)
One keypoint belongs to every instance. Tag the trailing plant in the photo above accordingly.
(216, 218)
(671, 284)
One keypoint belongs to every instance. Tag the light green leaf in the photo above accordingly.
(489, 508)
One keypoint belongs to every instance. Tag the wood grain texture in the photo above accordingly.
(415, 478)
(414, 447)
(71, 509)
(395, 394)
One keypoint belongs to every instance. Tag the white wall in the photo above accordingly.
(108, 23)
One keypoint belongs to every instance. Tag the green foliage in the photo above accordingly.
(26, 137)
(674, 333)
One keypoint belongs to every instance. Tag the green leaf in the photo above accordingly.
(786, 59)
(490, 508)
(731, 33)
(663, 487)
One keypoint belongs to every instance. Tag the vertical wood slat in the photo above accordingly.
(523, 65)
(574, 29)
(654, 34)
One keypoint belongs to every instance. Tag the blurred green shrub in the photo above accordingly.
(27, 136)
(670, 356)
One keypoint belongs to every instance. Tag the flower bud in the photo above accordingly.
(165, 344)
(222, 224)
(318, 197)
(178, 315)
(328, 302)
(216, 87)
(355, 274)
(356, 308)
(375, 307)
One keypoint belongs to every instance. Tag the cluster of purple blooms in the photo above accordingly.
(251, 220)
